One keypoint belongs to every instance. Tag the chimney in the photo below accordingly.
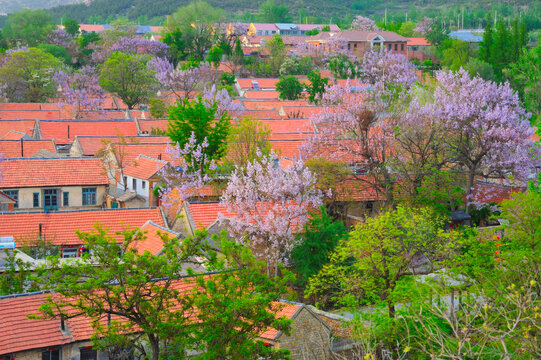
(68, 132)
(40, 231)
(159, 156)
(22, 148)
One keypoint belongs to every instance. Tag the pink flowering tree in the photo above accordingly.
(362, 23)
(60, 38)
(183, 82)
(79, 90)
(186, 173)
(423, 26)
(270, 203)
(137, 45)
(225, 103)
(488, 131)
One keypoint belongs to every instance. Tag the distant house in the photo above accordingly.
(418, 49)
(287, 29)
(359, 42)
(53, 184)
(473, 37)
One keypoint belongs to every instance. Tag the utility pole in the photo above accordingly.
(462, 18)
(385, 16)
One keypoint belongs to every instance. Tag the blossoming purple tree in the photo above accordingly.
(80, 90)
(270, 203)
(424, 26)
(362, 23)
(488, 131)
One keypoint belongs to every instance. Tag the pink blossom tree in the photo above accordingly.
(137, 45)
(270, 203)
(183, 82)
(186, 173)
(424, 26)
(488, 132)
(80, 90)
(362, 23)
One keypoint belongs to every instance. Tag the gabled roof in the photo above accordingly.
(26, 334)
(144, 167)
(203, 214)
(308, 27)
(21, 126)
(152, 242)
(64, 131)
(263, 83)
(29, 114)
(24, 148)
(29, 172)
(59, 227)
(418, 41)
(265, 26)
(129, 152)
(90, 145)
(258, 94)
(357, 35)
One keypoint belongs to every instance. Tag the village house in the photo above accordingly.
(54, 184)
(287, 28)
(69, 339)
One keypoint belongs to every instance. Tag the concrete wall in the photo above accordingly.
(309, 338)
(26, 197)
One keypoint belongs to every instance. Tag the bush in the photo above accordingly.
(289, 88)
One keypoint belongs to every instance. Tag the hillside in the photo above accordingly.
(320, 10)
(9, 6)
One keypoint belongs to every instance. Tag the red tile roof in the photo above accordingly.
(288, 126)
(146, 125)
(491, 192)
(24, 126)
(14, 135)
(143, 167)
(271, 105)
(130, 152)
(29, 115)
(20, 106)
(90, 145)
(287, 148)
(63, 132)
(205, 213)
(263, 83)
(301, 112)
(59, 227)
(19, 173)
(261, 94)
(26, 334)
(24, 148)
(418, 41)
(262, 114)
(152, 241)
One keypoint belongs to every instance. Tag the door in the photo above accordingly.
(50, 199)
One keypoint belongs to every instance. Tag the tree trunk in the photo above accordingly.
(155, 345)
(390, 306)
(469, 192)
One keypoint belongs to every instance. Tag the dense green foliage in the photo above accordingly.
(28, 27)
(316, 87)
(127, 77)
(204, 121)
(289, 88)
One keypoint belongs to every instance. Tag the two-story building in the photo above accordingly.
(54, 184)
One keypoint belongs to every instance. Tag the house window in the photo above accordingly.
(125, 179)
(395, 47)
(355, 46)
(50, 354)
(349, 46)
(89, 196)
(50, 199)
(389, 47)
(402, 47)
(134, 184)
(143, 184)
(66, 198)
(88, 354)
(35, 199)
(14, 194)
(69, 252)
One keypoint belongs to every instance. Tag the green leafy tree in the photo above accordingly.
(476, 67)
(525, 76)
(502, 49)
(316, 87)
(177, 45)
(15, 277)
(270, 12)
(342, 67)
(194, 29)
(457, 54)
(437, 33)
(28, 27)
(27, 76)
(486, 45)
(204, 120)
(248, 141)
(157, 108)
(316, 243)
(370, 264)
(127, 77)
(277, 54)
(289, 88)
(214, 56)
(237, 57)
(71, 27)
(58, 52)
(236, 307)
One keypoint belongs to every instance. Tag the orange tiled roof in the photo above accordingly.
(59, 227)
(18, 173)
(26, 334)
(262, 114)
(205, 213)
(24, 148)
(301, 112)
(262, 82)
(90, 145)
(152, 242)
(491, 192)
(8, 126)
(29, 114)
(64, 131)
(287, 148)
(418, 41)
(20, 106)
(143, 167)
(146, 125)
(271, 104)
(265, 94)
(153, 150)
(285, 126)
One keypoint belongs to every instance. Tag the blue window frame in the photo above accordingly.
(14, 194)
(35, 199)
(89, 196)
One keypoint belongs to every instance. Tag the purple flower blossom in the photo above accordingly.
(363, 24)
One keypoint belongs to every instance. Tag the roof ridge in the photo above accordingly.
(77, 211)
(55, 158)
(161, 227)
(12, 296)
